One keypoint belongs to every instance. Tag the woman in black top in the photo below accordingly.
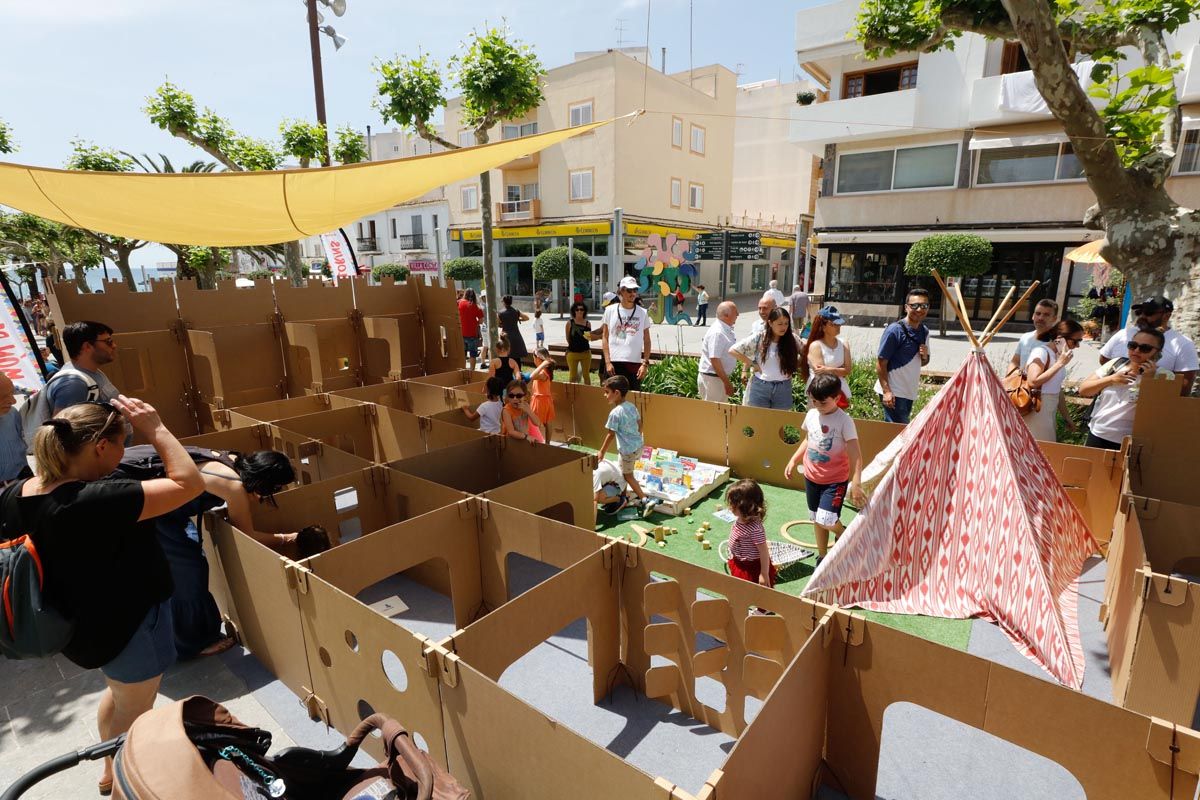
(579, 349)
(104, 568)
(509, 323)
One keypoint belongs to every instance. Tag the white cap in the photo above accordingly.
(608, 298)
(628, 282)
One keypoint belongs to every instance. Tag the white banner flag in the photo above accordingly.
(337, 251)
(17, 360)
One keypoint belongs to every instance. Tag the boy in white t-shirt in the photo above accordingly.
(830, 453)
(539, 329)
(489, 411)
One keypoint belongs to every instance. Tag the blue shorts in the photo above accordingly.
(825, 501)
(150, 651)
(472, 343)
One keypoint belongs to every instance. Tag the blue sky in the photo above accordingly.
(84, 67)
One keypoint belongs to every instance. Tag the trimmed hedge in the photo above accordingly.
(960, 255)
(464, 269)
(397, 272)
(553, 264)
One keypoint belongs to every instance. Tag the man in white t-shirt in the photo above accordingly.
(765, 306)
(1178, 352)
(625, 328)
(776, 295)
(1045, 317)
(716, 363)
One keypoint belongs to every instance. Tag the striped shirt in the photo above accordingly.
(745, 538)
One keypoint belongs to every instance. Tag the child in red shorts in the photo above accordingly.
(749, 557)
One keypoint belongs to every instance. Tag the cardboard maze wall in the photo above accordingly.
(1152, 590)
(192, 353)
(825, 676)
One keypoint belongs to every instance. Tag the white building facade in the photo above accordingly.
(953, 141)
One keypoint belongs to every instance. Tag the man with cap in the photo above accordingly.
(625, 329)
(1178, 352)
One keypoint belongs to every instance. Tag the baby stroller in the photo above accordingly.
(196, 750)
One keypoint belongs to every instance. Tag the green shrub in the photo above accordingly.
(552, 264)
(463, 269)
(956, 254)
(397, 272)
(259, 274)
(674, 375)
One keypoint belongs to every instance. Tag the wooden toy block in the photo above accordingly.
(706, 544)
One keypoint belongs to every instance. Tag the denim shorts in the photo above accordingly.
(825, 501)
(472, 344)
(769, 394)
(149, 652)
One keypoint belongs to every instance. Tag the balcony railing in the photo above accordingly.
(367, 244)
(411, 241)
(523, 210)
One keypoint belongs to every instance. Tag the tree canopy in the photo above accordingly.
(398, 272)
(463, 269)
(7, 145)
(962, 255)
(552, 264)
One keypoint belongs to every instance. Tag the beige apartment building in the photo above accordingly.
(954, 141)
(668, 171)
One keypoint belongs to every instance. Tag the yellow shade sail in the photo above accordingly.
(232, 209)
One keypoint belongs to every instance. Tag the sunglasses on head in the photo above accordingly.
(1143, 348)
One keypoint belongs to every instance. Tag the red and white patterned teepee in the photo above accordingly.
(969, 521)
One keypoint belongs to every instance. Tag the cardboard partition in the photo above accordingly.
(237, 365)
(226, 305)
(322, 355)
(1154, 614)
(447, 431)
(391, 334)
(271, 411)
(123, 310)
(589, 412)
(444, 348)
(315, 300)
(426, 399)
(694, 428)
(153, 366)
(311, 461)
(352, 429)
(1092, 478)
(353, 504)
(456, 377)
(751, 652)
(392, 393)
(251, 587)
(1166, 435)
(1114, 753)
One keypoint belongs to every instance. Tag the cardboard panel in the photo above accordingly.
(384, 298)
(450, 428)
(1164, 676)
(362, 662)
(444, 349)
(352, 429)
(311, 461)
(391, 347)
(426, 400)
(550, 491)
(586, 589)
(122, 310)
(1166, 432)
(448, 534)
(1093, 479)
(1123, 600)
(315, 300)
(226, 305)
(695, 428)
(322, 355)
(237, 365)
(589, 412)
(393, 394)
(273, 410)
(795, 712)
(152, 366)
(259, 600)
(455, 377)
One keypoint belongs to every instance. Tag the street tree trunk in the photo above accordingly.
(295, 266)
(489, 283)
(126, 271)
(81, 281)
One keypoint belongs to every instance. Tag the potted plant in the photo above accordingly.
(806, 98)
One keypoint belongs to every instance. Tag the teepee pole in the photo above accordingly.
(958, 310)
(1000, 308)
(1012, 311)
(958, 295)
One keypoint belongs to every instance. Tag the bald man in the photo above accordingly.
(716, 364)
(13, 463)
(765, 306)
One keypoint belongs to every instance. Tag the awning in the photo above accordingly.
(231, 209)
(985, 141)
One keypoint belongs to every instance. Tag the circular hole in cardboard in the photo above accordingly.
(351, 640)
(748, 432)
(420, 742)
(393, 670)
(790, 434)
(365, 710)
(324, 654)
(766, 464)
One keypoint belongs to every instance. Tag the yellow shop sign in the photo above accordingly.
(536, 231)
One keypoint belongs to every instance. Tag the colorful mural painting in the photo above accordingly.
(664, 268)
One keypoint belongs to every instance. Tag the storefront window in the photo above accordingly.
(518, 278)
(865, 276)
(516, 248)
(472, 249)
(735, 278)
(758, 277)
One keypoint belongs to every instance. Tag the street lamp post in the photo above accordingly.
(338, 7)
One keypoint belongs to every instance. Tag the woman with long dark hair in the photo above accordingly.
(826, 354)
(579, 348)
(772, 357)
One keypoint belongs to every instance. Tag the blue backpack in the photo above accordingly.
(29, 626)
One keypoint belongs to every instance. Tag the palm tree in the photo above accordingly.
(204, 270)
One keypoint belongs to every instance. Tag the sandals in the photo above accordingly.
(216, 648)
(105, 787)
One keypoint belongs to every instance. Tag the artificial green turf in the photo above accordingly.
(782, 505)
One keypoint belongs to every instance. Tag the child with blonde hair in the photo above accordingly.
(542, 401)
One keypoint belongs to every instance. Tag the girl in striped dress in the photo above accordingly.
(749, 557)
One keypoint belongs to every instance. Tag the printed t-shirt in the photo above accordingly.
(825, 457)
(625, 332)
(900, 347)
(623, 421)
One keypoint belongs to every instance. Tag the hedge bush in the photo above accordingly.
(961, 255)
(552, 264)
(259, 274)
(463, 269)
(398, 272)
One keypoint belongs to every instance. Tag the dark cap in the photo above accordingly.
(1153, 305)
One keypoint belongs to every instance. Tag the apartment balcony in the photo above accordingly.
(1190, 91)
(988, 107)
(875, 116)
(368, 244)
(412, 241)
(821, 31)
(519, 211)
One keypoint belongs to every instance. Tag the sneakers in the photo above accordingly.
(648, 504)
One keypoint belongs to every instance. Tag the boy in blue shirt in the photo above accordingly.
(625, 425)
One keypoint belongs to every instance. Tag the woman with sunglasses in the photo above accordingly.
(1116, 387)
(517, 418)
(1046, 369)
(231, 479)
(104, 568)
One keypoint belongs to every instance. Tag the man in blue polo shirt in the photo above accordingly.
(903, 350)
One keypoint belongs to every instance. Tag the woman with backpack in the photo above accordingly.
(102, 564)
(230, 479)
